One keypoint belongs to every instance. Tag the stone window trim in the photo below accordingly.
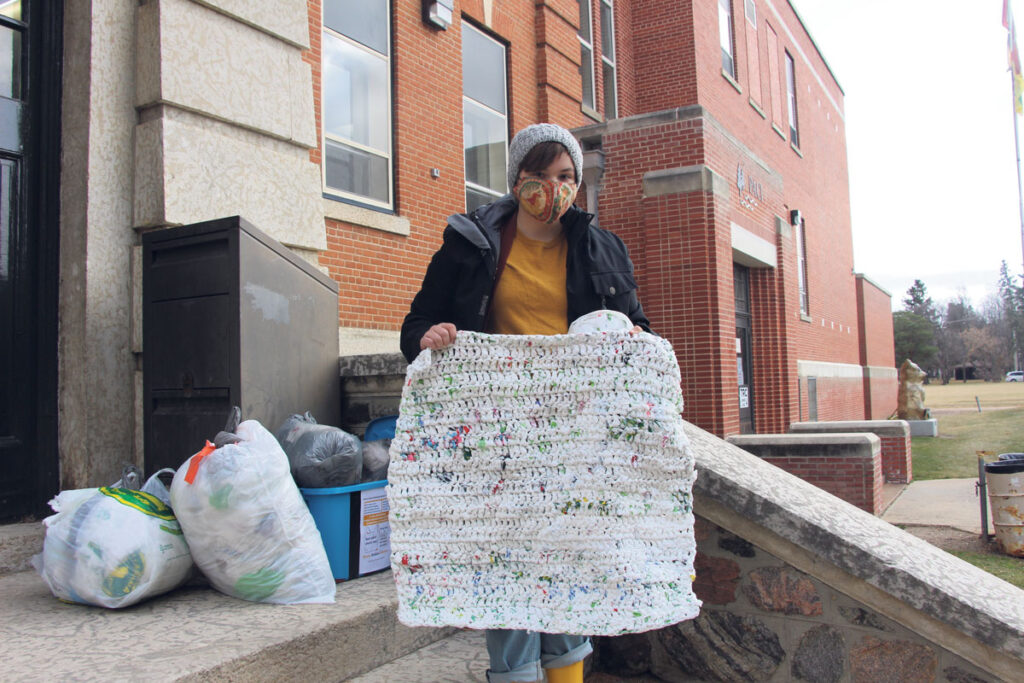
(732, 81)
(348, 212)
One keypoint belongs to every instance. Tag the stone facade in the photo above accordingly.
(765, 620)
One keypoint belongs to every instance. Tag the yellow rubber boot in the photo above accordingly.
(566, 674)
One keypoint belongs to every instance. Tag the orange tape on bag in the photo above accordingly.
(193, 463)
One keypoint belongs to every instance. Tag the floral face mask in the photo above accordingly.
(546, 200)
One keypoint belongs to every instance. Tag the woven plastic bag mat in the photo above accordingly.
(543, 483)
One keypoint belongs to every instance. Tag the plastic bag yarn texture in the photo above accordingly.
(543, 483)
(321, 456)
(112, 547)
(249, 529)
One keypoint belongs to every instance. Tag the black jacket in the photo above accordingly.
(460, 278)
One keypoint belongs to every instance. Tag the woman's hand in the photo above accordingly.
(438, 336)
(636, 330)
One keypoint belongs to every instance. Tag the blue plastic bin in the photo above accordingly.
(338, 513)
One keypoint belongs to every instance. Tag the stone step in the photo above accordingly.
(197, 634)
(18, 543)
(459, 658)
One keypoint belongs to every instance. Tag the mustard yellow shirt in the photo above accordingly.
(530, 297)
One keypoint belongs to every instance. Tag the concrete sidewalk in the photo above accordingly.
(939, 502)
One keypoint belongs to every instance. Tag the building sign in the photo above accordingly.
(751, 191)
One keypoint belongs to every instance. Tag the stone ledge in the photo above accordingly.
(18, 543)
(879, 427)
(198, 634)
(955, 604)
(372, 364)
(809, 445)
(928, 427)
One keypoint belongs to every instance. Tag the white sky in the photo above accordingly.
(929, 134)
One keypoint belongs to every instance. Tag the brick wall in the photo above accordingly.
(667, 57)
(874, 306)
(379, 272)
(897, 464)
(847, 465)
(856, 480)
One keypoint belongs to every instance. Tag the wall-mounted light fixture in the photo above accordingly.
(795, 217)
(438, 13)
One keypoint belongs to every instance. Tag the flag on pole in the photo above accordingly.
(1013, 58)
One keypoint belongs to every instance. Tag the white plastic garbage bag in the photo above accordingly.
(249, 529)
(112, 547)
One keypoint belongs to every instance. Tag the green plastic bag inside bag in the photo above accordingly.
(112, 546)
(249, 530)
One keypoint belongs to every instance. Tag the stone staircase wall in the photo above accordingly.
(800, 585)
(897, 465)
(848, 466)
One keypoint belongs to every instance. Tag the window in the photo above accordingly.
(753, 56)
(484, 117)
(774, 80)
(586, 36)
(801, 265)
(608, 59)
(794, 128)
(357, 101)
(725, 37)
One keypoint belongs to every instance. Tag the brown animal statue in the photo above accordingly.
(910, 401)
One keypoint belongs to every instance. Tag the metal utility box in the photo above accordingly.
(231, 317)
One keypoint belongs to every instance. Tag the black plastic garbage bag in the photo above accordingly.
(320, 456)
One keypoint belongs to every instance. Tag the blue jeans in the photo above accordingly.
(518, 656)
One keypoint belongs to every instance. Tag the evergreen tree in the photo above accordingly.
(914, 338)
(917, 301)
(1011, 298)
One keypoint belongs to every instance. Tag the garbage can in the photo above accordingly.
(1005, 481)
(353, 523)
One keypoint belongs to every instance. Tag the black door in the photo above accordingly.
(745, 397)
(29, 173)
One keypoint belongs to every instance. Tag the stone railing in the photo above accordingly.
(799, 585)
(846, 465)
(894, 434)
(371, 387)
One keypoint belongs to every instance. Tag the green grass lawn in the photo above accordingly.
(953, 453)
(962, 395)
(1009, 569)
(962, 432)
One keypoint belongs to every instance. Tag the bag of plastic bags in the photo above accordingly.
(321, 456)
(249, 529)
(113, 546)
(376, 458)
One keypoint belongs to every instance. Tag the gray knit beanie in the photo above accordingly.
(531, 136)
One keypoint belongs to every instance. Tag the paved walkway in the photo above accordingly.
(939, 502)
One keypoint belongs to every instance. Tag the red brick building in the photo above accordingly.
(716, 148)
(349, 130)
